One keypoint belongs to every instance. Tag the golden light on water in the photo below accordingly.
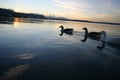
(16, 22)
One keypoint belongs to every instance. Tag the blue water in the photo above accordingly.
(34, 50)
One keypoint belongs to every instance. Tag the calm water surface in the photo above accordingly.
(34, 50)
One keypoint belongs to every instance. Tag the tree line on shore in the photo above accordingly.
(12, 13)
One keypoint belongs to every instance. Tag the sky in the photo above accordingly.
(94, 10)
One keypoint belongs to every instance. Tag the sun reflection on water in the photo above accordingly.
(16, 22)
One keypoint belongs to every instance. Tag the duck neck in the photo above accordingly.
(86, 31)
(62, 28)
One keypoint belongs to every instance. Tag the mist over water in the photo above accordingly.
(33, 49)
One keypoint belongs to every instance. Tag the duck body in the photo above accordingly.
(94, 35)
(67, 30)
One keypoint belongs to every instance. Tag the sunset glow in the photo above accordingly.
(96, 10)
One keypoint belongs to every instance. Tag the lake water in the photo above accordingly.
(34, 50)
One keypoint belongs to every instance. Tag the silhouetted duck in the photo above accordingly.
(93, 35)
(67, 30)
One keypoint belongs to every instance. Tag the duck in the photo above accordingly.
(67, 30)
(94, 35)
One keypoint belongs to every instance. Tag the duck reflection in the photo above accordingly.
(102, 46)
(68, 31)
(99, 36)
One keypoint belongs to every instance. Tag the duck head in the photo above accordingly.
(61, 27)
(85, 29)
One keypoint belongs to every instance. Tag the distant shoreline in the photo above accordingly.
(8, 13)
(110, 23)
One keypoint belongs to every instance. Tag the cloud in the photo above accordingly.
(23, 56)
(15, 72)
(99, 10)
(77, 9)
(78, 5)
